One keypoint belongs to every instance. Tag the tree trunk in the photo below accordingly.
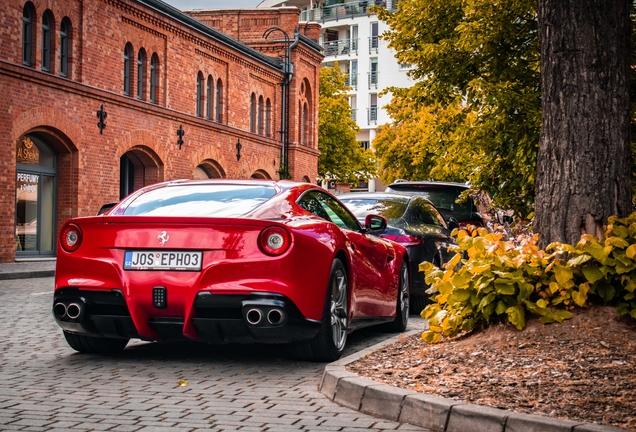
(583, 165)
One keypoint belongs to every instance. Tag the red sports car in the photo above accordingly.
(228, 261)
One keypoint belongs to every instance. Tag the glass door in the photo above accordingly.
(35, 198)
(26, 211)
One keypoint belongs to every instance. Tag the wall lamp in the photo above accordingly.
(101, 115)
(180, 134)
(238, 150)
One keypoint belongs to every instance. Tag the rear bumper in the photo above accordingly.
(257, 317)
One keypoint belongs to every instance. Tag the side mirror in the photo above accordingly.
(106, 207)
(375, 224)
(452, 223)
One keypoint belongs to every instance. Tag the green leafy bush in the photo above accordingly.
(508, 281)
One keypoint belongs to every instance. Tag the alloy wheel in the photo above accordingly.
(339, 309)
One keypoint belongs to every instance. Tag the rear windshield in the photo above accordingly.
(443, 197)
(390, 209)
(200, 200)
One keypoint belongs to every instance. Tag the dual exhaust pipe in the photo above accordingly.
(72, 311)
(255, 316)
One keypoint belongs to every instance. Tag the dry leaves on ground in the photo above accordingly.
(582, 370)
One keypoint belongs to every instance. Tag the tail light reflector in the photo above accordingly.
(71, 237)
(274, 240)
(403, 239)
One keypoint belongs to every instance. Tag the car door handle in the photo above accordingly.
(390, 257)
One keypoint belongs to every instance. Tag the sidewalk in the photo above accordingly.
(361, 394)
(28, 269)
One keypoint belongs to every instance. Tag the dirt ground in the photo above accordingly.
(582, 370)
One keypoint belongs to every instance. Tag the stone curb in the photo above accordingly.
(434, 413)
(26, 274)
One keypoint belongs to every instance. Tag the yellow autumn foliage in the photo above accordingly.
(491, 279)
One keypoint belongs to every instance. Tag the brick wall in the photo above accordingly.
(62, 110)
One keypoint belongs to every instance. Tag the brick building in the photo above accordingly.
(102, 97)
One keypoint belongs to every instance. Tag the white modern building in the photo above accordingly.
(350, 37)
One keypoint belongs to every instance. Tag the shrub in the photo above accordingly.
(491, 279)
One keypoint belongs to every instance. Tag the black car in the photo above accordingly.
(413, 222)
(444, 196)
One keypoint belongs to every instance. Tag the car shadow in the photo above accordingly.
(192, 352)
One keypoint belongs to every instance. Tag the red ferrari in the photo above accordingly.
(228, 261)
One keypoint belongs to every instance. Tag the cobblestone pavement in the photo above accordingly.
(46, 386)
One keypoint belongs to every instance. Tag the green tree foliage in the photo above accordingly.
(341, 156)
(474, 112)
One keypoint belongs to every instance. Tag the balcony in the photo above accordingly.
(372, 115)
(352, 81)
(373, 80)
(344, 10)
(373, 45)
(343, 47)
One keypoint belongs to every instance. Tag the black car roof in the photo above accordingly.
(375, 195)
(428, 183)
(394, 196)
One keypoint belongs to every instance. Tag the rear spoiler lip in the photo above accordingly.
(175, 220)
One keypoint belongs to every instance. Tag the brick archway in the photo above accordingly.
(210, 157)
(209, 168)
(140, 166)
(141, 157)
(48, 119)
(64, 137)
(261, 175)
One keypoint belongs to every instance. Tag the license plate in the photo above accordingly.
(162, 260)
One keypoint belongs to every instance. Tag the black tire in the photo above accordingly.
(331, 339)
(94, 345)
(418, 303)
(402, 302)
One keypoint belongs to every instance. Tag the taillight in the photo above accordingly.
(274, 240)
(71, 237)
(403, 239)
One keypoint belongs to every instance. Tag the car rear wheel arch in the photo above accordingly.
(324, 346)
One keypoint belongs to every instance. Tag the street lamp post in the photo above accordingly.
(288, 71)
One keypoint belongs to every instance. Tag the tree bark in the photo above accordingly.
(583, 164)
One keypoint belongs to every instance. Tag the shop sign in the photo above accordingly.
(27, 152)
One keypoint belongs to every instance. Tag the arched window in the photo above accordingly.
(154, 73)
(47, 22)
(27, 33)
(261, 116)
(304, 125)
(208, 104)
(200, 84)
(268, 118)
(305, 120)
(128, 52)
(253, 113)
(141, 66)
(65, 32)
(219, 101)
(300, 121)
